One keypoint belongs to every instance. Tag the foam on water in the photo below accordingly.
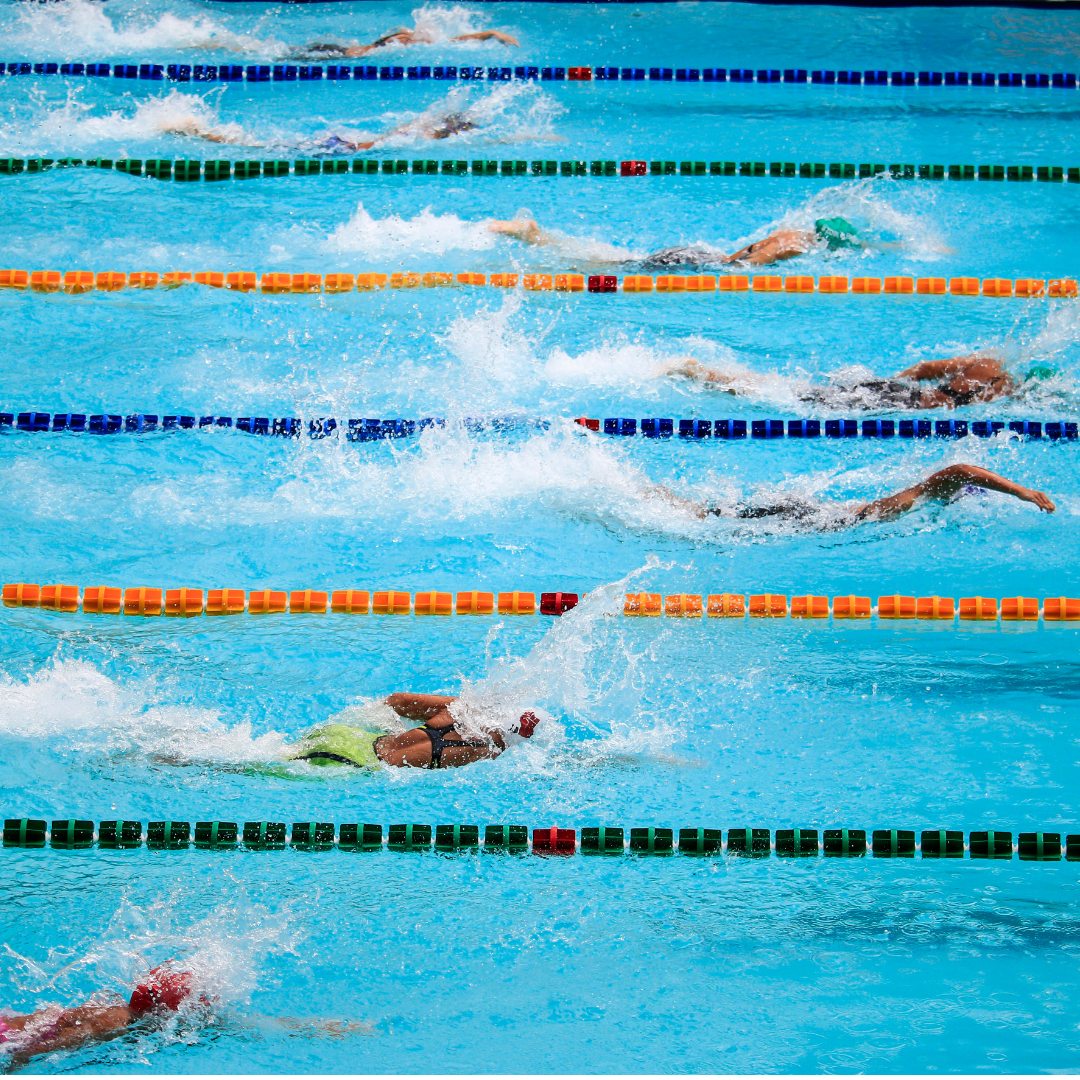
(72, 708)
(70, 27)
(392, 237)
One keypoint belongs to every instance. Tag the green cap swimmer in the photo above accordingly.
(837, 233)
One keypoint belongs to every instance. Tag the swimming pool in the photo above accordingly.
(476, 962)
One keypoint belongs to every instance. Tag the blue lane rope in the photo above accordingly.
(72, 833)
(267, 73)
(370, 429)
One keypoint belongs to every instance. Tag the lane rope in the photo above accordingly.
(373, 429)
(289, 73)
(73, 834)
(190, 169)
(190, 602)
(79, 282)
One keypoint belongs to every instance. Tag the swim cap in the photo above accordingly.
(837, 233)
(1041, 372)
(163, 989)
(527, 724)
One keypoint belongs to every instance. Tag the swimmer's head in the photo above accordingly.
(527, 724)
(1041, 372)
(453, 124)
(164, 990)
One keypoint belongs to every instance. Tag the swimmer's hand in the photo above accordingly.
(1039, 498)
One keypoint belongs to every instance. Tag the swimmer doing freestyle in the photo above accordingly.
(165, 990)
(961, 380)
(442, 127)
(943, 486)
(829, 234)
(400, 35)
(436, 744)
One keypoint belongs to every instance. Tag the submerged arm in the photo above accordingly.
(945, 483)
(487, 35)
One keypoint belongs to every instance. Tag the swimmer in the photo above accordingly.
(436, 744)
(165, 990)
(830, 234)
(400, 35)
(53, 1029)
(961, 380)
(439, 128)
(943, 486)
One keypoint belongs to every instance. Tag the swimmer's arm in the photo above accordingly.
(689, 368)
(487, 35)
(418, 706)
(938, 369)
(658, 491)
(945, 483)
(313, 1026)
(72, 1028)
(528, 232)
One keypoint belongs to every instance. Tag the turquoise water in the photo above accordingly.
(479, 962)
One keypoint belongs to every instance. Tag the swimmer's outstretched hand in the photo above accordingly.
(1039, 498)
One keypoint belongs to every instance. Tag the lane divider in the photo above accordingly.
(289, 427)
(73, 834)
(188, 602)
(338, 73)
(667, 427)
(371, 429)
(189, 170)
(77, 282)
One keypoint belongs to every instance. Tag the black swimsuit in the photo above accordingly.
(695, 255)
(870, 393)
(439, 743)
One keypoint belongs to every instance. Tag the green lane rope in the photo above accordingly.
(74, 834)
(189, 170)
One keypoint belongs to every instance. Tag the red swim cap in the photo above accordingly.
(163, 989)
(527, 724)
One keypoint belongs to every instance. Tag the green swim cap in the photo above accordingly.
(1041, 372)
(837, 233)
(338, 744)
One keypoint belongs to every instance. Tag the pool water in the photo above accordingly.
(480, 962)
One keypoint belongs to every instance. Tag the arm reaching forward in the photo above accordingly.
(942, 485)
